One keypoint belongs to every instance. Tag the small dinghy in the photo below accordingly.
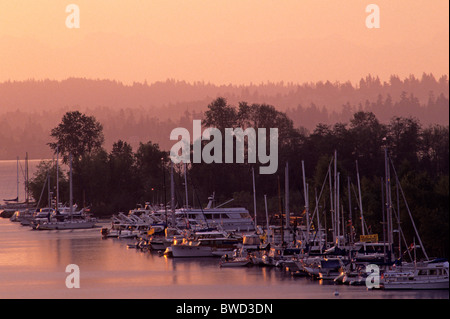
(236, 262)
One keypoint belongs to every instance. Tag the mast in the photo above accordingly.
(185, 185)
(306, 202)
(337, 210)
(254, 196)
(267, 217)
(70, 189)
(26, 178)
(336, 203)
(388, 201)
(350, 217)
(281, 210)
(398, 221)
(286, 194)
(57, 177)
(384, 220)
(17, 178)
(172, 194)
(409, 212)
(360, 200)
(318, 231)
(164, 188)
(331, 206)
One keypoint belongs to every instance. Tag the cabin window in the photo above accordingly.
(225, 216)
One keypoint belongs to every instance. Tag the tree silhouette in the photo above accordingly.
(77, 134)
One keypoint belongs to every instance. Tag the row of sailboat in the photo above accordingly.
(56, 216)
(302, 249)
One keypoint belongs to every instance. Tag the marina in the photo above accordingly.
(216, 242)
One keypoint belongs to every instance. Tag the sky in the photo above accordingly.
(222, 41)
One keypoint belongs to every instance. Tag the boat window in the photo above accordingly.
(224, 216)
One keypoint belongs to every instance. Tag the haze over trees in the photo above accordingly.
(142, 111)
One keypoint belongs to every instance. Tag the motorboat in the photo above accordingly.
(235, 219)
(204, 244)
(236, 262)
(421, 275)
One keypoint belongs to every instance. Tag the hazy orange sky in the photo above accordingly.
(223, 41)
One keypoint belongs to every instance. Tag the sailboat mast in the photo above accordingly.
(172, 194)
(27, 199)
(57, 177)
(254, 195)
(306, 202)
(70, 184)
(185, 185)
(286, 195)
(267, 217)
(360, 200)
(388, 200)
(350, 217)
(17, 178)
(335, 205)
(331, 206)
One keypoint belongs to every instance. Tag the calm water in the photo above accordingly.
(33, 264)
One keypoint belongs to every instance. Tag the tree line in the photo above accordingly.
(135, 113)
(117, 180)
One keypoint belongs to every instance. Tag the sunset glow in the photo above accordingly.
(237, 41)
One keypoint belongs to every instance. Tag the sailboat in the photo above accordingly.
(68, 218)
(428, 274)
(13, 207)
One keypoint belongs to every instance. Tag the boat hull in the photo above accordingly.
(236, 263)
(415, 285)
(66, 225)
(185, 251)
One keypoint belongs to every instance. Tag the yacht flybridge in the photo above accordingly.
(229, 219)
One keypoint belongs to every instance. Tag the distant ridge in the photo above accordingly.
(33, 95)
(141, 112)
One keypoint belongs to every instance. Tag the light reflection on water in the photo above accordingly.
(32, 265)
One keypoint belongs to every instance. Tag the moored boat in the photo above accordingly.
(424, 275)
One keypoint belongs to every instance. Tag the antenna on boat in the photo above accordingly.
(224, 203)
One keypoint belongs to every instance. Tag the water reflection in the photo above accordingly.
(33, 263)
